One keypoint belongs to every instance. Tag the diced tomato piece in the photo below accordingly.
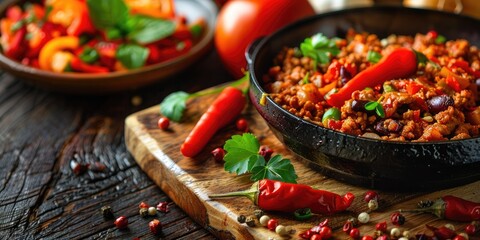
(14, 13)
(413, 87)
(453, 83)
(335, 124)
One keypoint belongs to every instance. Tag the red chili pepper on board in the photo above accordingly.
(226, 107)
(400, 63)
(271, 195)
(452, 208)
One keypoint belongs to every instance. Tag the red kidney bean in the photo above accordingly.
(439, 103)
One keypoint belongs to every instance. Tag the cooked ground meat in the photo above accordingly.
(438, 102)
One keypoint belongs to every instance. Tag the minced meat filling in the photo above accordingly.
(439, 102)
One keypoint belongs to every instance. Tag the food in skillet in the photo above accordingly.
(96, 36)
(401, 88)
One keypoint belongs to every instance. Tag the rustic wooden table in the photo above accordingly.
(41, 132)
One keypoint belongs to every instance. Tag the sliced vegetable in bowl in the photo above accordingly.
(153, 44)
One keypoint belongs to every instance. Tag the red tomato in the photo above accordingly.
(241, 21)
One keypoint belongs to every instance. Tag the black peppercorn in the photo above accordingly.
(250, 221)
(258, 213)
(107, 212)
(241, 218)
(143, 212)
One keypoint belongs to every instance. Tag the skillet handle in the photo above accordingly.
(251, 48)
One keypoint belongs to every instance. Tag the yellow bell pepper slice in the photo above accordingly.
(51, 47)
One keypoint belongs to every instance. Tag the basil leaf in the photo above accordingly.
(132, 56)
(379, 110)
(108, 13)
(89, 55)
(144, 30)
(174, 105)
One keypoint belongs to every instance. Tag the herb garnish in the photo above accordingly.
(370, 106)
(242, 157)
(174, 104)
(373, 56)
(132, 56)
(319, 48)
(440, 39)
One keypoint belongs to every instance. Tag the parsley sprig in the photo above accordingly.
(173, 106)
(370, 106)
(319, 48)
(242, 157)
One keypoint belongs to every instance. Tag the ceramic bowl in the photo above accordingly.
(357, 160)
(85, 83)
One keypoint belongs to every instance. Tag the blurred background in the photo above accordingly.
(467, 7)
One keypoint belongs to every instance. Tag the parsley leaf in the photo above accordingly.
(241, 151)
(277, 168)
(174, 105)
(243, 157)
(319, 48)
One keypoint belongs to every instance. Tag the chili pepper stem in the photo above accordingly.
(209, 91)
(437, 208)
(250, 193)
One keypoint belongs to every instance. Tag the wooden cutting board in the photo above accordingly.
(189, 181)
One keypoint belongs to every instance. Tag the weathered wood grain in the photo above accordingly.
(189, 181)
(41, 132)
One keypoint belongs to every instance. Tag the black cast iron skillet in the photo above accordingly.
(370, 163)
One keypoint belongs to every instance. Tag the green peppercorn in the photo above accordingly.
(241, 218)
(250, 221)
(143, 212)
(107, 212)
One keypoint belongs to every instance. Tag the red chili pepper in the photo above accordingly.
(453, 83)
(81, 24)
(413, 87)
(279, 196)
(16, 49)
(400, 63)
(442, 233)
(452, 208)
(80, 66)
(228, 105)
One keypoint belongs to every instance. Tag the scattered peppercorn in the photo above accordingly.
(450, 226)
(78, 168)
(397, 219)
(395, 233)
(155, 226)
(163, 123)
(325, 232)
(264, 220)
(281, 230)
(218, 154)
(143, 212)
(470, 229)
(107, 212)
(258, 213)
(143, 205)
(121, 222)
(162, 207)
(241, 218)
(407, 234)
(369, 195)
(373, 204)
(363, 217)
(152, 211)
(354, 233)
(381, 226)
(367, 237)
(266, 152)
(272, 224)
(347, 227)
(97, 167)
(250, 221)
(242, 125)
(460, 237)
